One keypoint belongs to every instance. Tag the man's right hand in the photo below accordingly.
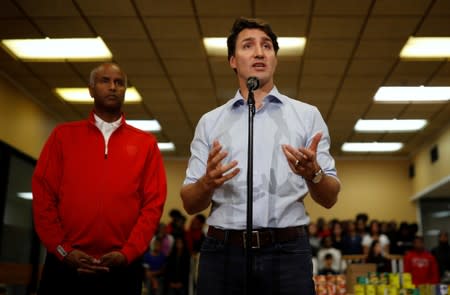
(84, 263)
(216, 173)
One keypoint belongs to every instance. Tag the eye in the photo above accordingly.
(120, 82)
(246, 45)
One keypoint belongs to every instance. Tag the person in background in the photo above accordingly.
(291, 159)
(361, 220)
(352, 241)
(375, 255)
(154, 263)
(421, 264)
(339, 265)
(327, 268)
(314, 239)
(442, 254)
(337, 235)
(178, 268)
(99, 189)
(165, 238)
(375, 234)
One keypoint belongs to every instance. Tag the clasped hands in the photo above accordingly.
(86, 264)
(301, 160)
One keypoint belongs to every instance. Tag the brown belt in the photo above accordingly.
(260, 237)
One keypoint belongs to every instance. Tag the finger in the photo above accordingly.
(315, 141)
(227, 176)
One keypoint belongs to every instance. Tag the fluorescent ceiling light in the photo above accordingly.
(395, 125)
(25, 195)
(166, 146)
(289, 46)
(441, 214)
(72, 49)
(426, 47)
(81, 95)
(412, 93)
(362, 147)
(145, 125)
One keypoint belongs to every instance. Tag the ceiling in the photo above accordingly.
(352, 48)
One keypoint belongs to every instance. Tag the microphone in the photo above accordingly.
(252, 83)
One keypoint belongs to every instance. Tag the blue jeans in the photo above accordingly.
(281, 268)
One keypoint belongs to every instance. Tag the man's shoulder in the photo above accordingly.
(67, 126)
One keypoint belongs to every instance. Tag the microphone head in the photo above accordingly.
(252, 83)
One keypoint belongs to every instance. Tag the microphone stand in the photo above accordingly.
(249, 230)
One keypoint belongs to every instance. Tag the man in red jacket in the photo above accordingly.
(99, 189)
(421, 264)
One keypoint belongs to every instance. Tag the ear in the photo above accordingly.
(91, 91)
(232, 62)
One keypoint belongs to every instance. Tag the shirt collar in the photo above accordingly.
(100, 123)
(274, 96)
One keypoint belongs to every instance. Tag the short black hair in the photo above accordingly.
(243, 23)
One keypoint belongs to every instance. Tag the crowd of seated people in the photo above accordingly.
(171, 261)
(374, 241)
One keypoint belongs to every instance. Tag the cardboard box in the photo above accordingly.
(355, 270)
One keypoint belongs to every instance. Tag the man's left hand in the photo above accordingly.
(303, 160)
(113, 259)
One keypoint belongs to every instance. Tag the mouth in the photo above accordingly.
(259, 65)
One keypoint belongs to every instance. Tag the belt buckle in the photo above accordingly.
(255, 233)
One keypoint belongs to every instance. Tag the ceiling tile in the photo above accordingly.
(323, 81)
(366, 67)
(18, 29)
(216, 8)
(400, 7)
(110, 9)
(47, 8)
(165, 8)
(67, 27)
(131, 49)
(345, 7)
(184, 67)
(376, 49)
(186, 49)
(318, 66)
(388, 27)
(287, 26)
(142, 68)
(118, 27)
(326, 27)
(422, 111)
(172, 27)
(437, 26)
(145, 82)
(216, 26)
(316, 49)
(9, 10)
(384, 111)
(441, 7)
(192, 82)
(281, 7)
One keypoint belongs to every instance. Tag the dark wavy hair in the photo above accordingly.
(243, 23)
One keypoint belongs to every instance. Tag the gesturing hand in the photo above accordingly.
(303, 160)
(217, 173)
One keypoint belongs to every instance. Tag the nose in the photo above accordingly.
(259, 51)
(112, 85)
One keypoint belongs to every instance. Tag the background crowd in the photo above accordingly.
(170, 264)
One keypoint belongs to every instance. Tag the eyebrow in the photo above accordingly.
(253, 39)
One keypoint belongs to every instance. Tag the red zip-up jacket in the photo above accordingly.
(95, 202)
(423, 267)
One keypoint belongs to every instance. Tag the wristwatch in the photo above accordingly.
(317, 176)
